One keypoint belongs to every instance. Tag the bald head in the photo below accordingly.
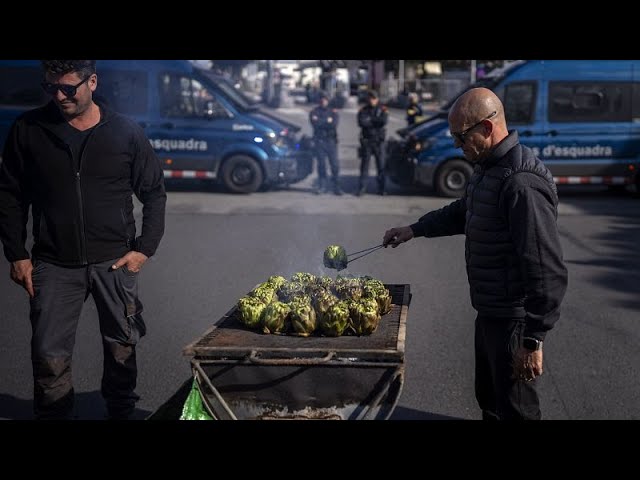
(477, 122)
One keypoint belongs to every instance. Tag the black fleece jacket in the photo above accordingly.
(513, 250)
(84, 215)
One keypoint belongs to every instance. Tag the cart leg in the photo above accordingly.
(219, 411)
(396, 377)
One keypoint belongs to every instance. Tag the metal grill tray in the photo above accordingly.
(229, 338)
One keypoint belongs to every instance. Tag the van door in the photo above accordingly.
(191, 129)
(524, 110)
(588, 130)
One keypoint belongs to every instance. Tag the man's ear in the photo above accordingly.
(488, 126)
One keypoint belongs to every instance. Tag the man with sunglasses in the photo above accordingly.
(515, 269)
(77, 164)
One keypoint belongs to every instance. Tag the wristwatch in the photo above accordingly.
(532, 344)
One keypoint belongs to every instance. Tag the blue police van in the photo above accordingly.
(581, 117)
(197, 122)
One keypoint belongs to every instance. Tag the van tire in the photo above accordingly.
(452, 178)
(242, 174)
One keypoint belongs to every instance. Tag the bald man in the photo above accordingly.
(515, 269)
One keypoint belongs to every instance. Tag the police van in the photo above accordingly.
(581, 117)
(197, 122)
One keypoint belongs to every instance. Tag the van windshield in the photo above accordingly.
(232, 94)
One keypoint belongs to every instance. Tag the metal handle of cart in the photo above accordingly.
(254, 358)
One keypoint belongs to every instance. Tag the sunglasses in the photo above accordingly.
(67, 90)
(460, 136)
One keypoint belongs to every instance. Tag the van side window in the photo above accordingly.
(184, 97)
(519, 102)
(123, 91)
(20, 87)
(589, 102)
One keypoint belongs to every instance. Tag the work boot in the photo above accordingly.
(362, 189)
(336, 188)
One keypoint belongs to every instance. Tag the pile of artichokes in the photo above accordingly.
(315, 305)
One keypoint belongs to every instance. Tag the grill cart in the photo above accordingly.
(246, 375)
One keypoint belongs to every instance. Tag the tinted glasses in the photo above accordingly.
(460, 136)
(67, 90)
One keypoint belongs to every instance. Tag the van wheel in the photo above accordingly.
(452, 177)
(242, 174)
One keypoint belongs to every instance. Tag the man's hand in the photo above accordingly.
(527, 364)
(133, 261)
(20, 272)
(396, 236)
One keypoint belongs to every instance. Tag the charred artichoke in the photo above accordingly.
(335, 256)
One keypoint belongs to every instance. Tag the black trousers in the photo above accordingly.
(369, 147)
(60, 293)
(327, 149)
(499, 395)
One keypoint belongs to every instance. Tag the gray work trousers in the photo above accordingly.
(60, 293)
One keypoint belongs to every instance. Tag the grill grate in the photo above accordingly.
(230, 333)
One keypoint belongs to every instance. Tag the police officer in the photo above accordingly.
(324, 121)
(372, 119)
(414, 110)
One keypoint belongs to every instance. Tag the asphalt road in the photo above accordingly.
(217, 246)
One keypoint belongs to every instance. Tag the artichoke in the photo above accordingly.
(316, 291)
(323, 302)
(276, 281)
(304, 278)
(348, 289)
(335, 256)
(274, 317)
(264, 292)
(376, 290)
(384, 302)
(289, 290)
(324, 281)
(334, 321)
(250, 310)
(364, 317)
(303, 317)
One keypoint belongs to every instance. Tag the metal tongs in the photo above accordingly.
(341, 266)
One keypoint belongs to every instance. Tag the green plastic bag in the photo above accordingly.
(193, 408)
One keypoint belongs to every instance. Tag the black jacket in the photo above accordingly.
(79, 216)
(324, 122)
(372, 121)
(512, 246)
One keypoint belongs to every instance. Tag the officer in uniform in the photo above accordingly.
(414, 110)
(324, 121)
(372, 119)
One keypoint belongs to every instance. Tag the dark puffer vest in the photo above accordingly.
(493, 268)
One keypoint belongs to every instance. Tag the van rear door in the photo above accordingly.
(588, 123)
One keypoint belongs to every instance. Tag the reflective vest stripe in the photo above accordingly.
(593, 180)
(188, 174)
